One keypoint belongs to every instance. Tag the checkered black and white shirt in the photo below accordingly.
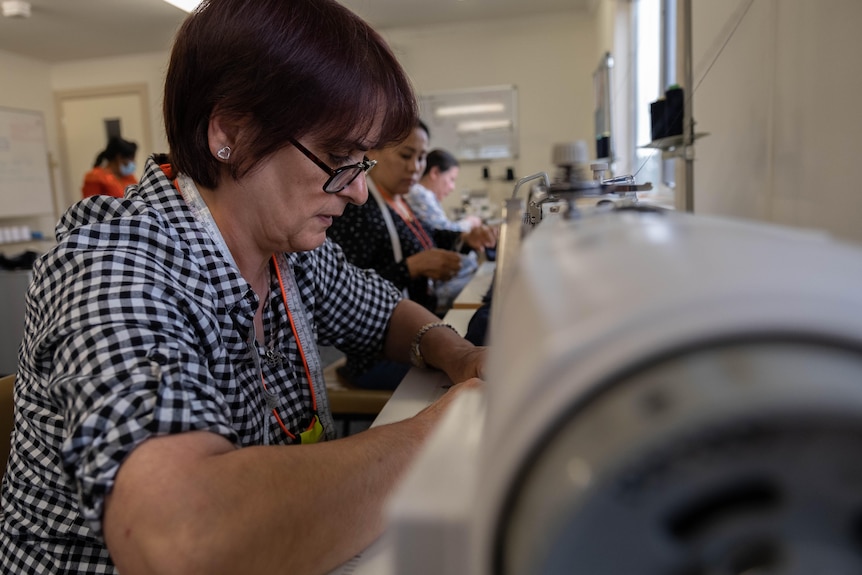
(137, 326)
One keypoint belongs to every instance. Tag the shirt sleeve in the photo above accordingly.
(354, 305)
(137, 335)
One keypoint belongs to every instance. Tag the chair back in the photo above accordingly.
(7, 411)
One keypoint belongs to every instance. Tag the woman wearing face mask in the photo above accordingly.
(385, 235)
(113, 170)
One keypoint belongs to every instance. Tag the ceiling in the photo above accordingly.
(66, 30)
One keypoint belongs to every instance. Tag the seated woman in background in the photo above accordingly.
(424, 198)
(385, 235)
(113, 171)
(437, 182)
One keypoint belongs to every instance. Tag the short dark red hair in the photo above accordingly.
(283, 69)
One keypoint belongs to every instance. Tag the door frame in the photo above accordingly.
(139, 90)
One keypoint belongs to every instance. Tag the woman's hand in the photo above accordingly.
(466, 363)
(472, 221)
(480, 237)
(435, 263)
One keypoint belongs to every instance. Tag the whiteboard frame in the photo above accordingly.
(34, 194)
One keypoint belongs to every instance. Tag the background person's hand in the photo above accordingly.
(472, 221)
(480, 237)
(436, 263)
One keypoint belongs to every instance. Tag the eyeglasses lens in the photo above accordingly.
(342, 179)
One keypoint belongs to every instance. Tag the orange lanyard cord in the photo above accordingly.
(167, 169)
(411, 220)
(419, 232)
(301, 353)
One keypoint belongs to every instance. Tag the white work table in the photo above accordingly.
(420, 388)
(472, 294)
(417, 390)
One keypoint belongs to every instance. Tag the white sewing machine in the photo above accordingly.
(667, 394)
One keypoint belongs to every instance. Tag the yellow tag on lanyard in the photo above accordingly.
(313, 433)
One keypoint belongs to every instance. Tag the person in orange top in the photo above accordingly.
(113, 170)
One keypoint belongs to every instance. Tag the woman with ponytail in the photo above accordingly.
(113, 170)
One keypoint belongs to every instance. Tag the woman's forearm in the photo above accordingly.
(286, 509)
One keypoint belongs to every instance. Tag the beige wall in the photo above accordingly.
(142, 68)
(550, 58)
(26, 83)
(781, 105)
(146, 69)
(605, 20)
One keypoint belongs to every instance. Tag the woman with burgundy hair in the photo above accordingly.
(171, 414)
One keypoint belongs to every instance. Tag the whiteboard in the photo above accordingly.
(25, 179)
(473, 124)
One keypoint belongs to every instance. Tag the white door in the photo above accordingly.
(84, 117)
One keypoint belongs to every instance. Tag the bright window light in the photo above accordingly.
(468, 109)
(187, 5)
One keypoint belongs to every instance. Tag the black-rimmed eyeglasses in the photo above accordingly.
(339, 178)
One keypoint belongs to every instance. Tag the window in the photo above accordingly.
(654, 41)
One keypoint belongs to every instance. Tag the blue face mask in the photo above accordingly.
(127, 169)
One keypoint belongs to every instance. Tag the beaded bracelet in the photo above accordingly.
(415, 353)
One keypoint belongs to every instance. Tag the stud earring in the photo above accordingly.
(224, 153)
